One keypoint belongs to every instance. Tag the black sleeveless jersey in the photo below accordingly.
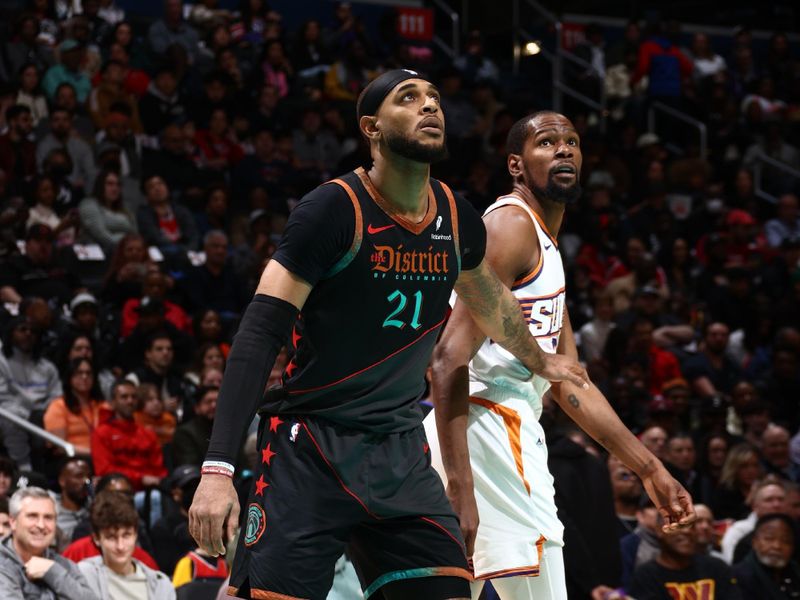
(364, 338)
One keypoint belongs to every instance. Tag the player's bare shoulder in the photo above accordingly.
(512, 242)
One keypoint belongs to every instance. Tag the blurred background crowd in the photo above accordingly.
(147, 169)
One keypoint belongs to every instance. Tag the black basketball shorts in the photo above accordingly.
(321, 489)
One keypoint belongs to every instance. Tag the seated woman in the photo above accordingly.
(207, 327)
(74, 416)
(129, 264)
(103, 216)
(44, 192)
(740, 471)
(208, 356)
(75, 344)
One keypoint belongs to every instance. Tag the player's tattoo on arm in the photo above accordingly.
(488, 299)
(508, 326)
(482, 294)
(573, 400)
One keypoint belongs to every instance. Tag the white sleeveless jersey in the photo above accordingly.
(514, 489)
(541, 297)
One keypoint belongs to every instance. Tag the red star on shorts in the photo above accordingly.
(266, 455)
(260, 485)
(290, 368)
(273, 424)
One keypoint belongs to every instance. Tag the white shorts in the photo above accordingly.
(513, 486)
(550, 584)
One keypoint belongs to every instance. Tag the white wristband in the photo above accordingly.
(218, 467)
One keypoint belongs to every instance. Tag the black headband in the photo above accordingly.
(371, 98)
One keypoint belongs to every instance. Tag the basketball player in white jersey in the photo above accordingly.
(492, 448)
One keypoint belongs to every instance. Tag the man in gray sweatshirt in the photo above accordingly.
(29, 569)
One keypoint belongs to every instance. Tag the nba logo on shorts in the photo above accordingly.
(294, 432)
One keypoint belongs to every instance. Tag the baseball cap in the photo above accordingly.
(82, 298)
(739, 217)
(257, 214)
(39, 232)
(184, 475)
(150, 306)
(647, 139)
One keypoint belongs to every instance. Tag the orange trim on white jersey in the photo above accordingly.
(512, 422)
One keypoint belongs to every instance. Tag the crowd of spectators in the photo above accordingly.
(146, 175)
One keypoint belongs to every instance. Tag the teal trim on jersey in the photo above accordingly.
(398, 575)
(346, 259)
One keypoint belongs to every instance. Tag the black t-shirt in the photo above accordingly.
(707, 578)
(723, 378)
(381, 287)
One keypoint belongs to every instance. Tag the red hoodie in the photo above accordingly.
(85, 548)
(126, 447)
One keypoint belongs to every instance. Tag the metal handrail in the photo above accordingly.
(762, 159)
(559, 87)
(37, 431)
(453, 50)
(681, 116)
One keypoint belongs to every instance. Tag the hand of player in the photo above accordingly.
(463, 501)
(558, 367)
(670, 498)
(37, 567)
(214, 514)
(603, 592)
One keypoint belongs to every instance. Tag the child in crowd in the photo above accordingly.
(152, 415)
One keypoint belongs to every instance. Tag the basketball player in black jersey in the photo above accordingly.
(368, 261)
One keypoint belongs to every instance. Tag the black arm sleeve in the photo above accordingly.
(319, 231)
(265, 329)
(472, 234)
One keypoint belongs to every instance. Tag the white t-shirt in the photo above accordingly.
(127, 587)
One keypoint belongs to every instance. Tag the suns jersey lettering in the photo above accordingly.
(545, 316)
(693, 590)
(540, 293)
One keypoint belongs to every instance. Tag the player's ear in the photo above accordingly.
(515, 165)
(369, 127)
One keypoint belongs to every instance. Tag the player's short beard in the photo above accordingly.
(407, 147)
(558, 193)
